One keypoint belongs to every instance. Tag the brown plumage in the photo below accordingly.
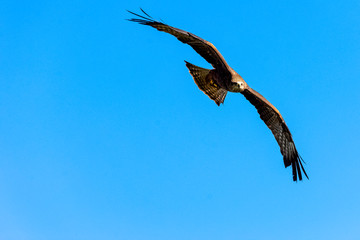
(217, 82)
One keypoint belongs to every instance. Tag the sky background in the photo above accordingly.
(104, 134)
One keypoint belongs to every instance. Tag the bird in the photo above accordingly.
(220, 80)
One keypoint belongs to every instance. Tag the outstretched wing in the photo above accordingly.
(273, 119)
(206, 49)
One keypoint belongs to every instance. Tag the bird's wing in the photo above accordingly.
(206, 49)
(273, 119)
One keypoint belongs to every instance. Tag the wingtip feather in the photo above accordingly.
(147, 18)
(296, 165)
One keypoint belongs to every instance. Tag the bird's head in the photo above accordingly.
(239, 86)
(238, 83)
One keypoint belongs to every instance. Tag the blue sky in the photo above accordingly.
(104, 134)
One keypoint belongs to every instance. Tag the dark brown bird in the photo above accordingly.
(218, 81)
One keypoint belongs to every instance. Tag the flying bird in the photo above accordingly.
(215, 83)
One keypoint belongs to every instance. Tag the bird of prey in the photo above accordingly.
(216, 82)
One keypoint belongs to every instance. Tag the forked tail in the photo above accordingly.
(204, 81)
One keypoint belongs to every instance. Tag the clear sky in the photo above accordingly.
(104, 134)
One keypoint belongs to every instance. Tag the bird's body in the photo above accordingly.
(215, 83)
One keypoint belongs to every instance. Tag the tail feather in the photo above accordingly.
(203, 80)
